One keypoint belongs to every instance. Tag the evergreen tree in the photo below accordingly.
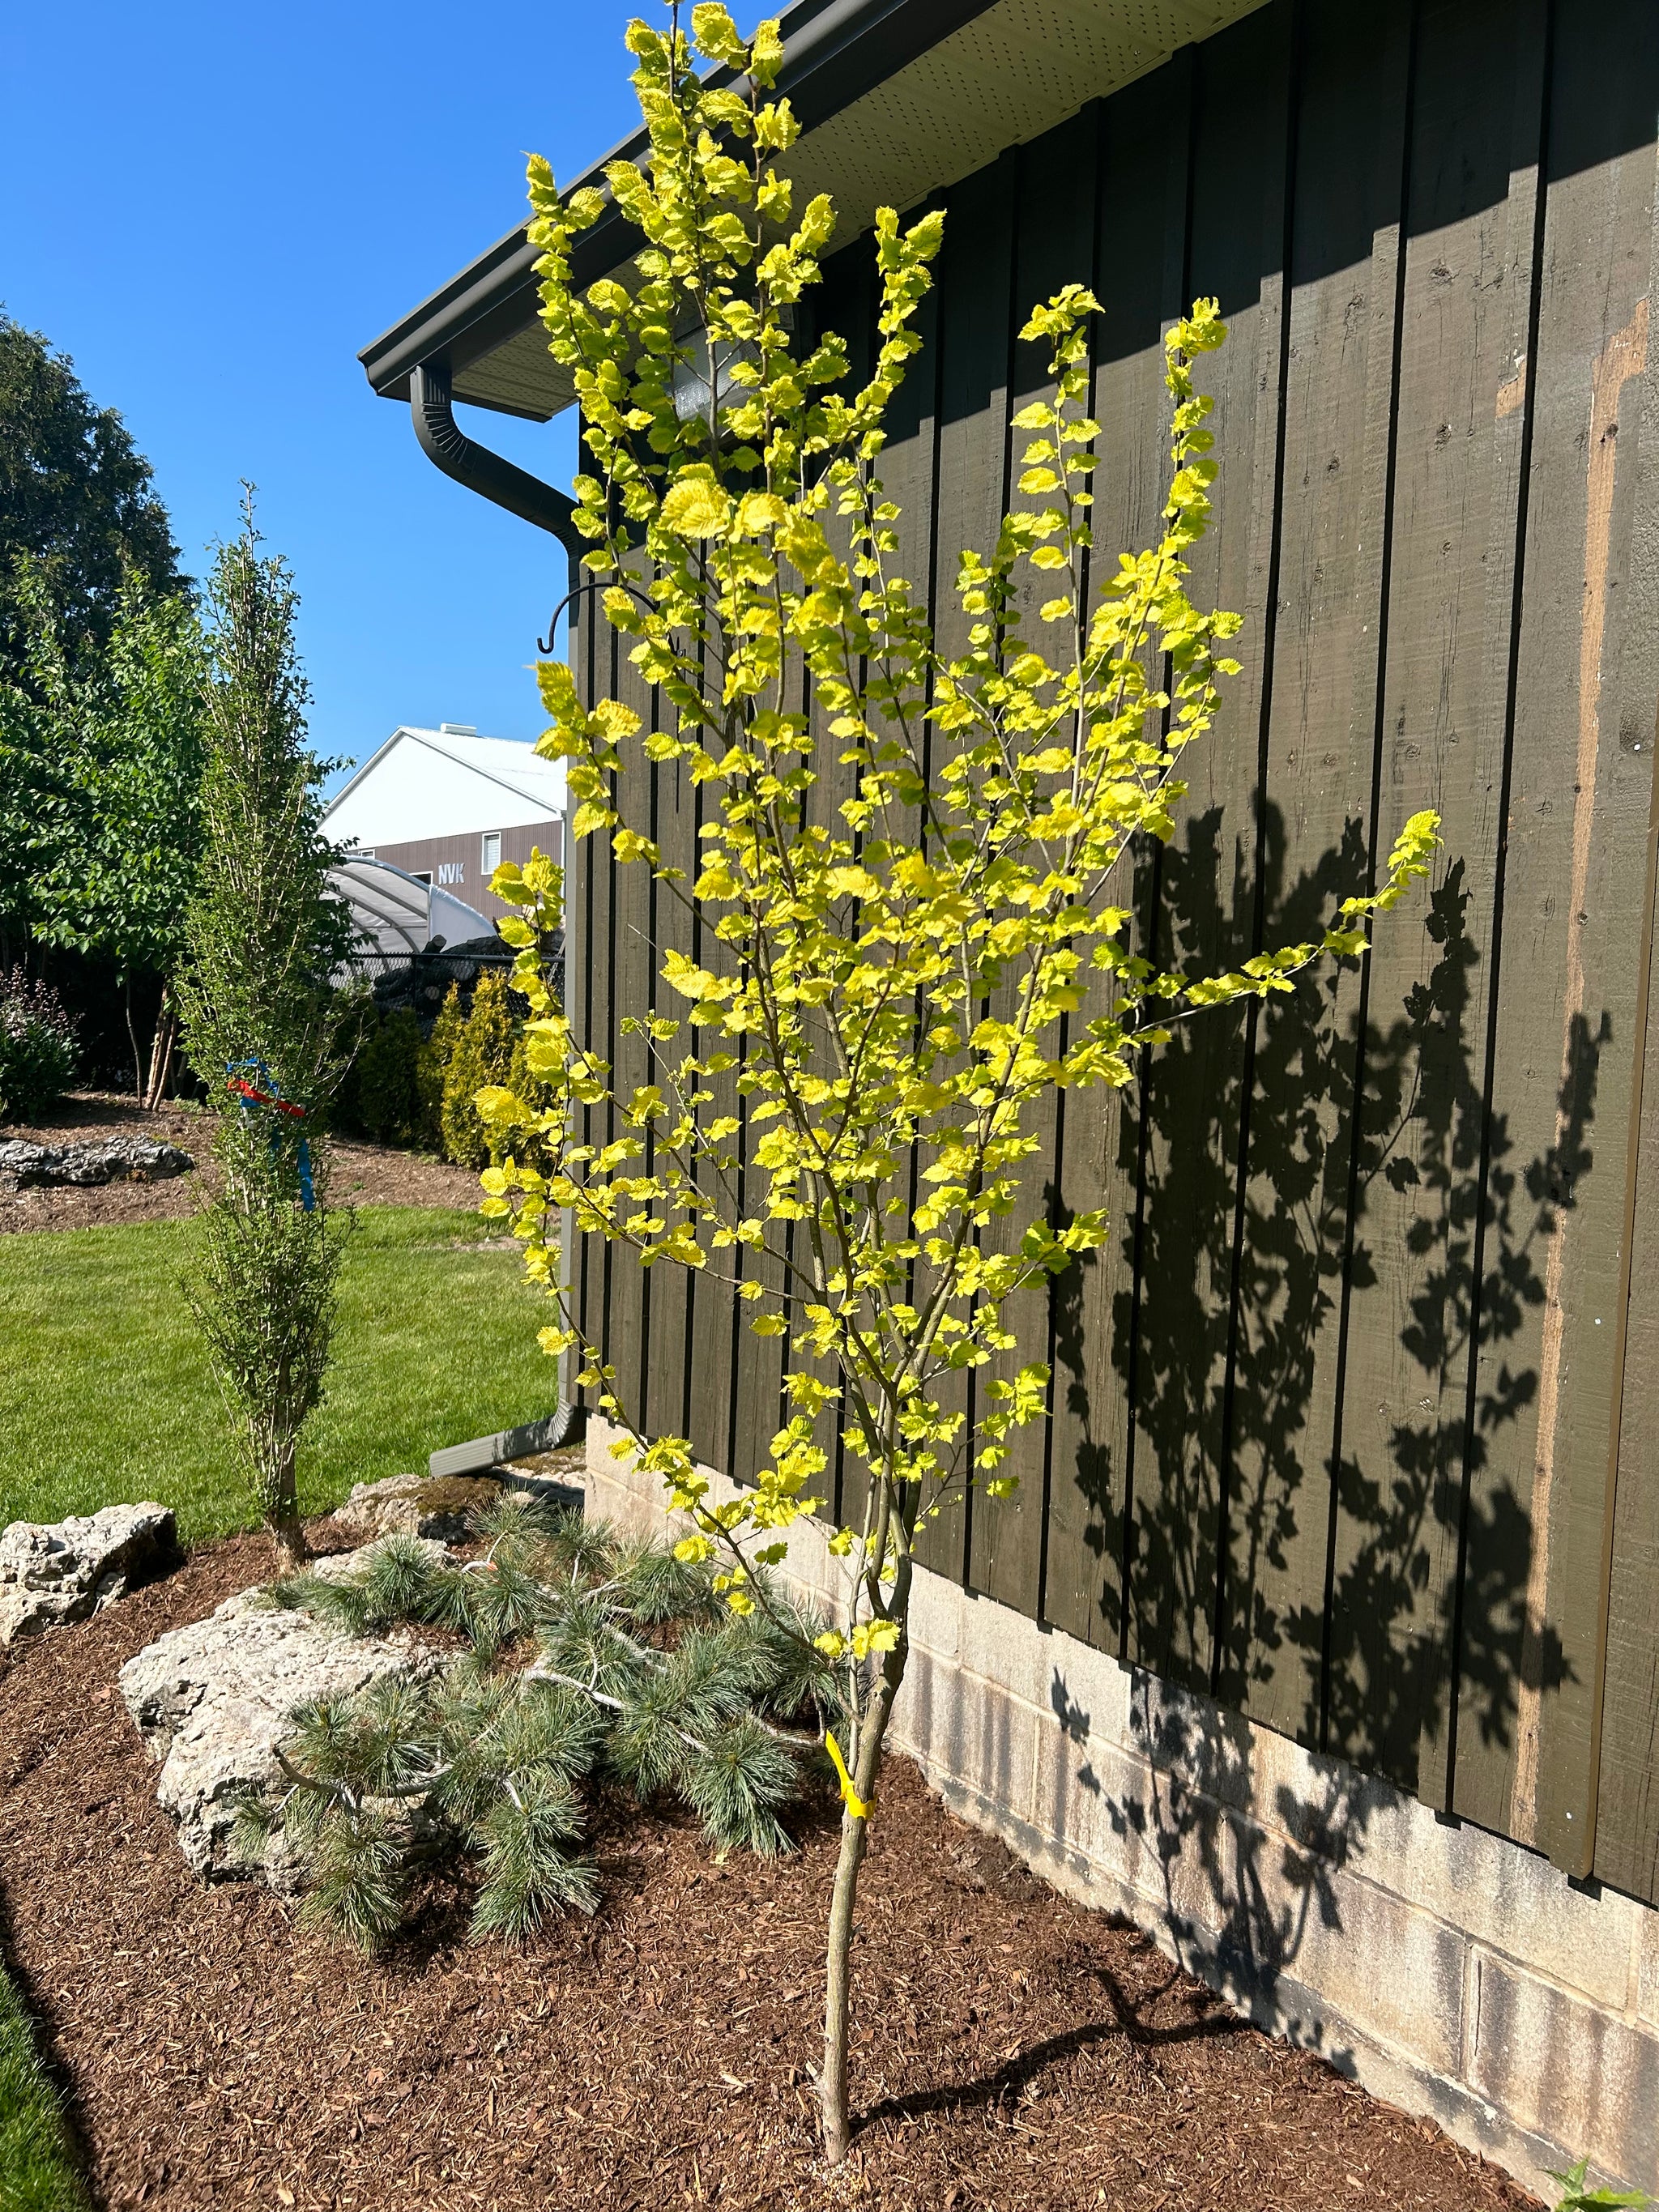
(481, 1055)
(259, 1031)
(432, 1066)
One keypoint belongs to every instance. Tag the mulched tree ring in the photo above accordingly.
(1013, 2051)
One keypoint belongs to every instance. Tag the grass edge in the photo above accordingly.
(39, 2171)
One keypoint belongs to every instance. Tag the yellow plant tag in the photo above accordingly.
(854, 1804)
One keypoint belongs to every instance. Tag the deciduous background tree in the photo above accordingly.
(100, 695)
(76, 501)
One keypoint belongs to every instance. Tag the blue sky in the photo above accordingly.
(212, 208)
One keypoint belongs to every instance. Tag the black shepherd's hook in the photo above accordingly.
(545, 644)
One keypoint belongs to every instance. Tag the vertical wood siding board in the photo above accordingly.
(1229, 1643)
(1624, 1821)
(579, 969)
(591, 1261)
(1466, 1763)
(1208, 873)
(974, 310)
(713, 1316)
(668, 1287)
(652, 1279)
(1386, 339)
(1418, 1196)
(1061, 1441)
(938, 1543)
(1319, 787)
(1623, 1818)
(821, 313)
(1610, 209)
(1172, 108)
(1082, 1577)
(976, 279)
(1567, 1012)
(760, 1402)
(607, 657)
(631, 983)
(1053, 245)
(850, 307)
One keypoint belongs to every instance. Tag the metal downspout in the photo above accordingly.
(447, 446)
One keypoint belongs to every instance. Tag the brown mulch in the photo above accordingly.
(364, 1174)
(1013, 2051)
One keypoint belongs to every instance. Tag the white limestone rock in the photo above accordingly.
(69, 1570)
(212, 1700)
(439, 1506)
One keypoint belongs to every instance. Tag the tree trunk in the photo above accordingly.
(843, 1899)
(132, 1038)
(160, 1050)
(287, 1534)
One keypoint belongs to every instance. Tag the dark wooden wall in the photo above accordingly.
(1354, 1421)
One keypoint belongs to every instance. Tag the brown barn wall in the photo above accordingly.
(428, 855)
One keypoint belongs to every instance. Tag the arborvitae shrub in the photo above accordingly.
(354, 1021)
(432, 1066)
(388, 1092)
(483, 1055)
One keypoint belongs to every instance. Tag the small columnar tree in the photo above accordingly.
(259, 1031)
(886, 989)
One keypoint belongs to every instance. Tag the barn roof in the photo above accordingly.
(897, 99)
(447, 781)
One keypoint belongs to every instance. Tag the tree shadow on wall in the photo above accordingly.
(1347, 1565)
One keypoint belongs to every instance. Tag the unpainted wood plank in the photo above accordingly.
(1625, 1832)
(1352, 89)
(1467, 287)
(1567, 1014)
(1208, 893)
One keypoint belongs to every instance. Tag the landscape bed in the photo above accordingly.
(1013, 2049)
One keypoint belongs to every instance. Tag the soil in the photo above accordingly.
(364, 1174)
(1013, 2052)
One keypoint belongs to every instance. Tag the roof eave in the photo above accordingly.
(835, 50)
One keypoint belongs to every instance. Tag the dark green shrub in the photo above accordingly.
(354, 1022)
(37, 1046)
(388, 1091)
(433, 1067)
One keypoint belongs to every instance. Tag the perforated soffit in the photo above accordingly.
(1007, 77)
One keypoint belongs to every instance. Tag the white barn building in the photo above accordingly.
(448, 806)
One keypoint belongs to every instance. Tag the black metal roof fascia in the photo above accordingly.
(837, 51)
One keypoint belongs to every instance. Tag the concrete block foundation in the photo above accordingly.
(1451, 1971)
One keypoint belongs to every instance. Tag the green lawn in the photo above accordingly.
(36, 2174)
(106, 1395)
